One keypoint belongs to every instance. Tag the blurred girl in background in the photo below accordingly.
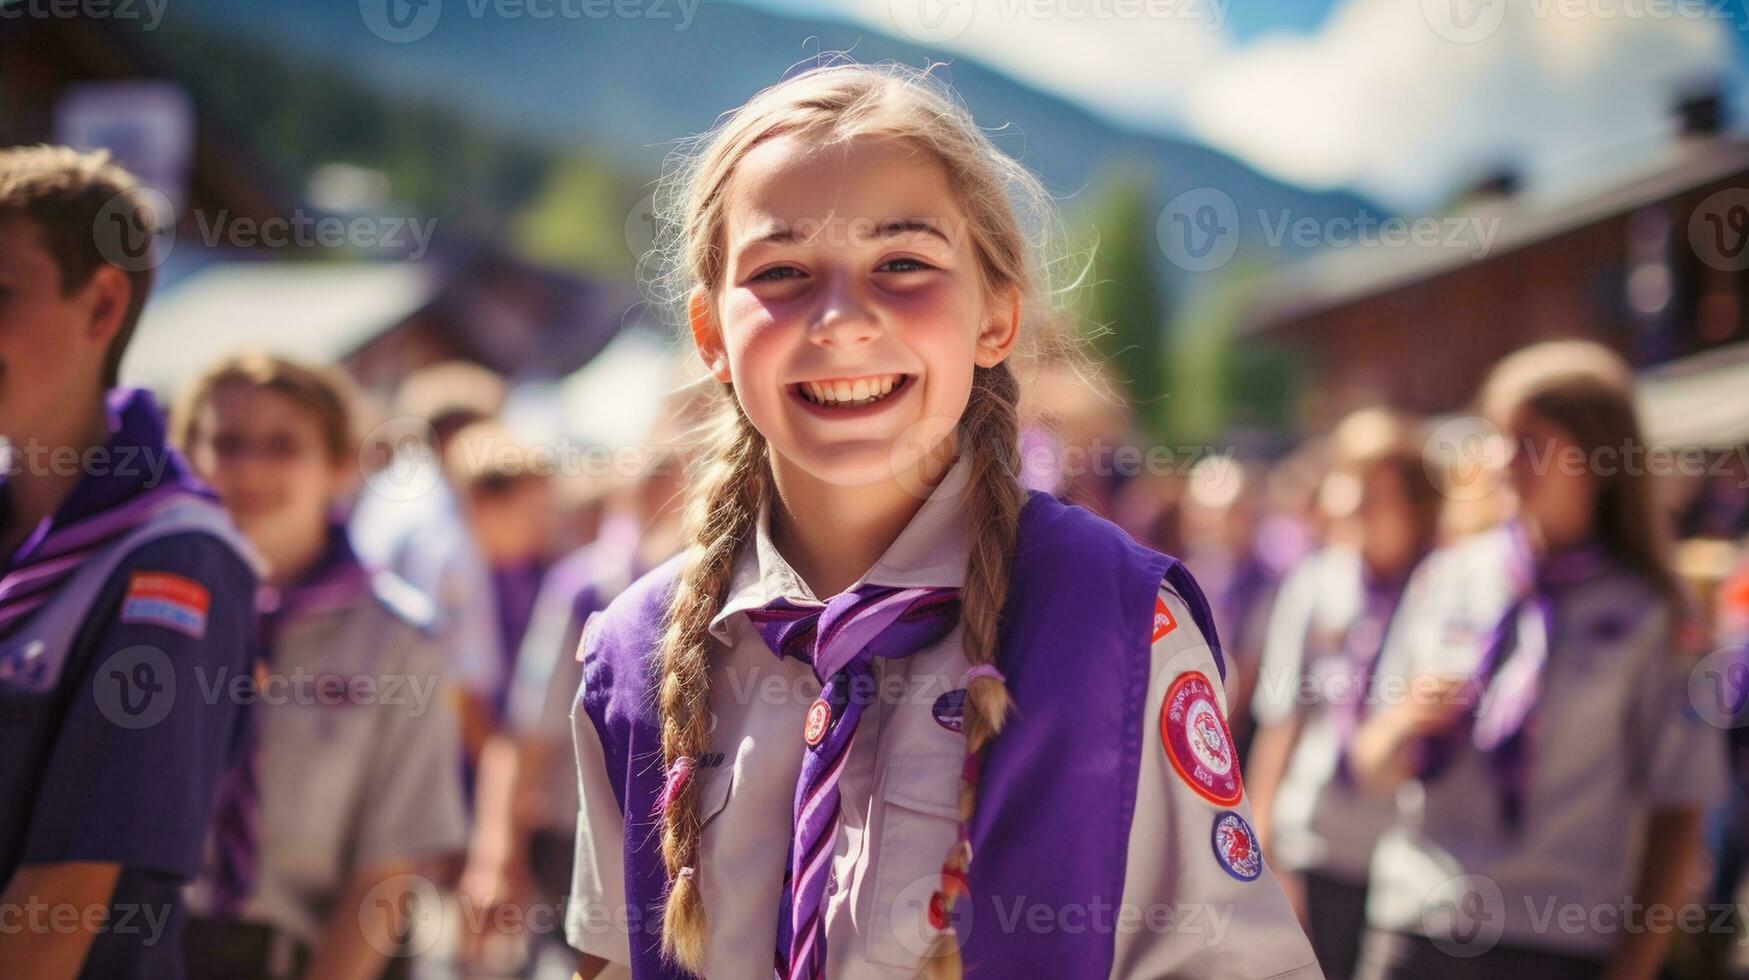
(352, 776)
(1548, 768)
(1326, 629)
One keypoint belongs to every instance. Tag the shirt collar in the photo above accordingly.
(929, 552)
(135, 459)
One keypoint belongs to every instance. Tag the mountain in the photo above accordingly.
(626, 88)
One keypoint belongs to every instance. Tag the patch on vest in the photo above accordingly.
(1197, 740)
(1163, 621)
(1236, 846)
(950, 710)
(167, 600)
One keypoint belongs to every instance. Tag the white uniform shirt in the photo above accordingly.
(351, 782)
(1320, 823)
(899, 788)
(1615, 738)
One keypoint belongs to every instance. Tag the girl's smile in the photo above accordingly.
(851, 397)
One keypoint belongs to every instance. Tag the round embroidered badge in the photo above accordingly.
(1236, 846)
(819, 715)
(1197, 740)
(950, 710)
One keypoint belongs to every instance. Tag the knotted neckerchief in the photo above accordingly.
(1509, 675)
(139, 478)
(841, 640)
(333, 582)
(1362, 642)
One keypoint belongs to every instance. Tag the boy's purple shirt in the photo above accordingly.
(76, 785)
(1076, 653)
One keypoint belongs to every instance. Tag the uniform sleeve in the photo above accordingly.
(413, 805)
(596, 920)
(1200, 899)
(468, 622)
(545, 684)
(1284, 646)
(1681, 758)
(150, 718)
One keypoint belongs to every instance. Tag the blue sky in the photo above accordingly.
(1402, 99)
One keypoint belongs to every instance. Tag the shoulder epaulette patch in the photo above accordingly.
(1163, 621)
(168, 600)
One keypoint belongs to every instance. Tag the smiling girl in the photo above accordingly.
(879, 655)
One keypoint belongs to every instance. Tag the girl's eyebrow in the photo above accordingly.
(777, 233)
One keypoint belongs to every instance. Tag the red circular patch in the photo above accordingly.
(819, 714)
(1197, 740)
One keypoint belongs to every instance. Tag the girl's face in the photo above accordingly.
(1556, 490)
(1387, 520)
(852, 308)
(265, 455)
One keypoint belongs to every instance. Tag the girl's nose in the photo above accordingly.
(844, 319)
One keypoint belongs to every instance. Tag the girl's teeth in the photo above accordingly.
(862, 391)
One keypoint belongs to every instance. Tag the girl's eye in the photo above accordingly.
(904, 265)
(776, 273)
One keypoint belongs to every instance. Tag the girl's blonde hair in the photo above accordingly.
(1011, 224)
(1588, 391)
(327, 394)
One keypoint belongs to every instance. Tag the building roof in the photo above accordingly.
(1337, 277)
(315, 311)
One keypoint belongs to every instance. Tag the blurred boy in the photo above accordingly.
(125, 597)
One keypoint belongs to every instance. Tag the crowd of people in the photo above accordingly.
(1488, 708)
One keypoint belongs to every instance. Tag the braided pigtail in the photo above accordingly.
(990, 429)
(735, 481)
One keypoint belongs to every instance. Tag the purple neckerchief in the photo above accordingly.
(839, 639)
(335, 581)
(1509, 675)
(102, 508)
(1059, 781)
(1362, 644)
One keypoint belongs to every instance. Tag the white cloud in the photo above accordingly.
(1378, 98)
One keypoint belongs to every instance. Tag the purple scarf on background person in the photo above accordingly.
(1509, 675)
(123, 488)
(1362, 643)
(334, 581)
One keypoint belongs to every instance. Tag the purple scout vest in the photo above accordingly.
(1076, 653)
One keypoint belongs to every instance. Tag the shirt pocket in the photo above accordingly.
(918, 820)
(713, 791)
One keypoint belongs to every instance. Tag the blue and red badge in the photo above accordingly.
(1236, 847)
(167, 600)
(950, 710)
(1197, 740)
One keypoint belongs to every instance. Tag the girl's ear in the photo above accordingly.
(705, 334)
(1001, 330)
